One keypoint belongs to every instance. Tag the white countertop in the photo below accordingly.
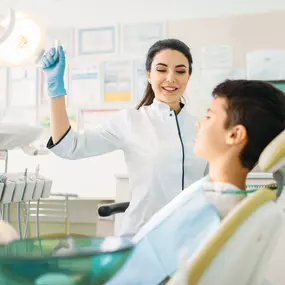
(83, 194)
(260, 175)
(251, 175)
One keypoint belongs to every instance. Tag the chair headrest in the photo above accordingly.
(272, 158)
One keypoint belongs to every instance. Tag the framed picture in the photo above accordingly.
(90, 118)
(101, 40)
(117, 83)
(137, 38)
(23, 87)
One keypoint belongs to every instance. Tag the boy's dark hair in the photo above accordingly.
(259, 107)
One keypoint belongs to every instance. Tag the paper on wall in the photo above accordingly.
(100, 40)
(85, 86)
(23, 87)
(93, 117)
(64, 35)
(266, 65)
(215, 76)
(118, 81)
(139, 37)
(199, 90)
(219, 56)
(140, 78)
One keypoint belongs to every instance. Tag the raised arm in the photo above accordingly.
(53, 65)
(64, 142)
(59, 119)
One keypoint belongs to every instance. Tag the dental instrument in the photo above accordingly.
(20, 188)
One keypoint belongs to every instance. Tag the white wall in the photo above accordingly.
(93, 12)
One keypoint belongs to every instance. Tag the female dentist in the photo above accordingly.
(157, 137)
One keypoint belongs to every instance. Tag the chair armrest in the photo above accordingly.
(112, 209)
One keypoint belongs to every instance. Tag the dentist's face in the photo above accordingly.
(169, 76)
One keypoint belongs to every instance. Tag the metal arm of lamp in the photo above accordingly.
(7, 29)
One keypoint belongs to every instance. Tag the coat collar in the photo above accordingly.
(161, 106)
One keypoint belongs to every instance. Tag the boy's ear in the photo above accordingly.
(237, 135)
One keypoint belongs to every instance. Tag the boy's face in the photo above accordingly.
(213, 140)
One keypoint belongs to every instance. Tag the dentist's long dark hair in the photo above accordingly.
(159, 46)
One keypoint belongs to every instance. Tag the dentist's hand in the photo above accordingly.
(53, 66)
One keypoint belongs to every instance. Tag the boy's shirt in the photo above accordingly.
(223, 202)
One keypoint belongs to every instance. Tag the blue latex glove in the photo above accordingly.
(53, 65)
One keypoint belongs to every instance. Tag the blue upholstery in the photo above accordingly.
(156, 255)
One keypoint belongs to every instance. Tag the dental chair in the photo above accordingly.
(233, 251)
(239, 252)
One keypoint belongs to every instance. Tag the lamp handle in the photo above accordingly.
(10, 27)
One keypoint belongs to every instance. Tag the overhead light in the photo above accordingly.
(20, 40)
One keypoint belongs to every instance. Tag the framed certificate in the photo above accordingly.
(100, 40)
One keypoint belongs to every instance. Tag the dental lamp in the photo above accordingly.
(21, 39)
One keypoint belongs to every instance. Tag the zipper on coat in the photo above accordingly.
(182, 146)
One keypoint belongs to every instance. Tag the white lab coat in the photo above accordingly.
(158, 149)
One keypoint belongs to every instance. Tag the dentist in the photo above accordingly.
(157, 137)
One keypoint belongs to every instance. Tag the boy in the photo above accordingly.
(244, 117)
